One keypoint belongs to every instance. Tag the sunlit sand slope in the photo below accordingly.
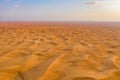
(59, 51)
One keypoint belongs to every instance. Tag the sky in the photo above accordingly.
(60, 10)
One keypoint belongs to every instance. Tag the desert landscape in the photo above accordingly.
(59, 51)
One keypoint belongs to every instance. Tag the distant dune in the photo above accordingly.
(59, 51)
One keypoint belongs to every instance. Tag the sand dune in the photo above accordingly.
(59, 51)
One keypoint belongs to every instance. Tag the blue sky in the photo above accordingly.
(59, 10)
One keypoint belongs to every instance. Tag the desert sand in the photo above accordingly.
(59, 51)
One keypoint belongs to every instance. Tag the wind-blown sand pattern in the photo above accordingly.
(59, 51)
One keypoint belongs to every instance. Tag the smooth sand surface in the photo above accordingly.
(36, 51)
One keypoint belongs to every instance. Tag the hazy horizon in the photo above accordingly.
(60, 10)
